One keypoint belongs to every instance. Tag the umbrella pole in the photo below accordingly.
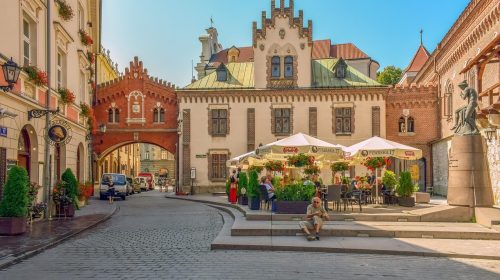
(376, 185)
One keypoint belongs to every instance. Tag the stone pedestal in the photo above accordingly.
(468, 178)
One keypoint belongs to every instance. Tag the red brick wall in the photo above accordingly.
(155, 91)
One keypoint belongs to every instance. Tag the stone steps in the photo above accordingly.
(370, 229)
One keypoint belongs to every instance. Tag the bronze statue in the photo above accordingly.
(465, 116)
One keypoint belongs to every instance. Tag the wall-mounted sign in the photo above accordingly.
(201, 156)
(3, 131)
(193, 172)
(59, 132)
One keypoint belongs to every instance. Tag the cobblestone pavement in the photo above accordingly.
(156, 238)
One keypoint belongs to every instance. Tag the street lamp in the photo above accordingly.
(102, 128)
(11, 74)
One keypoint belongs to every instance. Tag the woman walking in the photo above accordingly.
(111, 190)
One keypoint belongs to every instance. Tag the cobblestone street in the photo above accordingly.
(156, 238)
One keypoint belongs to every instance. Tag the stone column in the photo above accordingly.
(469, 183)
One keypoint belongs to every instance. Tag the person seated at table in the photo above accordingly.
(317, 184)
(314, 219)
(266, 181)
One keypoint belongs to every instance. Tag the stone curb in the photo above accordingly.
(11, 259)
(232, 246)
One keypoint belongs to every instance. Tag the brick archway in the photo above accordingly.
(135, 108)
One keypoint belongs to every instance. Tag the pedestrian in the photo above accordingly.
(233, 189)
(314, 219)
(111, 190)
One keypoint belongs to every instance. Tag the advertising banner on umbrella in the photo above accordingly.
(380, 147)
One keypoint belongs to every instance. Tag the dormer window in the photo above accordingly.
(275, 66)
(288, 67)
(222, 73)
(340, 73)
(340, 69)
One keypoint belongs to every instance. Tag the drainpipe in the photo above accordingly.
(46, 167)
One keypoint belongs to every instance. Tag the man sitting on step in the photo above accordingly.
(314, 219)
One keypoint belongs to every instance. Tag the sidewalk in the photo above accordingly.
(45, 234)
(429, 247)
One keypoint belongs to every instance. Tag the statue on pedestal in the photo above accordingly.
(465, 116)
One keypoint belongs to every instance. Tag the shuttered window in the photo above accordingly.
(343, 121)
(218, 166)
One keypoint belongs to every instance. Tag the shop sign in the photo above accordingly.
(3, 131)
(59, 132)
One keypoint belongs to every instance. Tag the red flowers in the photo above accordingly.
(90, 56)
(376, 162)
(85, 38)
(36, 76)
(65, 10)
(67, 96)
(275, 166)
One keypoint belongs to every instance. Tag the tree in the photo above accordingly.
(71, 185)
(390, 75)
(15, 195)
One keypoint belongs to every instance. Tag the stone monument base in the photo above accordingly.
(468, 180)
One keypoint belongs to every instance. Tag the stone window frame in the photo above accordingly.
(406, 126)
(275, 107)
(376, 121)
(282, 81)
(343, 117)
(287, 63)
(224, 155)
(113, 114)
(158, 114)
(276, 61)
(212, 107)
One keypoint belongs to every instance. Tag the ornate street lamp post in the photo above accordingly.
(11, 74)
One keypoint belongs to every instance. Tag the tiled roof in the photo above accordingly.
(324, 76)
(347, 51)
(418, 61)
(321, 49)
(246, 55)
(240, 75)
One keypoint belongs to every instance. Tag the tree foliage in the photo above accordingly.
(242, 182)
(390, 75)
(71, 185)
(253, 184)
(15, 194)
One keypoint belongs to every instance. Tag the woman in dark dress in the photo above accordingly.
(111, 190)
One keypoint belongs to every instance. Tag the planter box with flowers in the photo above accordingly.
(90, 57)
(294, 198)
(85, 38)
(36, 76)
(65, 10)
(67, 96)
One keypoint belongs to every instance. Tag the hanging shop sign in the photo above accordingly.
(59, 132)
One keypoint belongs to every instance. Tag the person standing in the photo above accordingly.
(111, 190)
(233, 189)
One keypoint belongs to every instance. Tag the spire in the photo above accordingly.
(211, 22)
(421, 35)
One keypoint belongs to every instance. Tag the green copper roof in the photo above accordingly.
(240, 75)
(324, 76)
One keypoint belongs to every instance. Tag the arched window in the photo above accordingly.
(402, 125)
(448, 100)
(275, 67)
(410, 124)
(117, 115)
(155, 115)
(288, 67)
(162, 115)
(111, 116)
(24, 150)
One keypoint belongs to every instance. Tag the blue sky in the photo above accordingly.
(164, 33)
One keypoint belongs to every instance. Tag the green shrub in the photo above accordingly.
(389, 179)
(276, 181)
(15, 200)
(228, 185)
(256, 168)
(405, 187)
(242, 182)
(71, 186)
(295, 192)
(253, 185)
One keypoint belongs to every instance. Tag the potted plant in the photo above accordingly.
(35, 209)
(373, 163)
(311, 170)
(15, 202)
(36, 76)
(389, 180)
(67, 96)
(338, 167)
(274, 165)
(405, 190)
(90, 57)
(294, 198)
(65, 10)
(64, 204)
(300, 160)
(85, 38)
(242, 188)
(253, 190)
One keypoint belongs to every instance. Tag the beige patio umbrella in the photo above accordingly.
(244, 161)
(300, 143)
(380, 147)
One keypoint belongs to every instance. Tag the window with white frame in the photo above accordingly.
(406, 124)
(113, 115)
(81, 17)
(159, 115)
(164, 154)
(28, 41)
(82, 87)
(61, 69)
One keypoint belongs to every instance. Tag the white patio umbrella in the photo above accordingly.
(380, 147)
(300, 143)
(244, 160)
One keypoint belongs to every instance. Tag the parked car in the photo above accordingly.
(120, 183)
(150, 179)
(143, 183)
(130, 185)
(136, 185)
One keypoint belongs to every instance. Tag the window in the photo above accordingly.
(61, 69)
(275, 67)
(406, 125)
(81, 17)
(163, 154)
(340, 73)
(448, 100)
(147, 155)
(282, 121)
(218, 166)
(82, 87)
(159, 115)
(343, 120)
(113, 115)
(288, 67)
(28, 41)
(219, 122)
(221, 73)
